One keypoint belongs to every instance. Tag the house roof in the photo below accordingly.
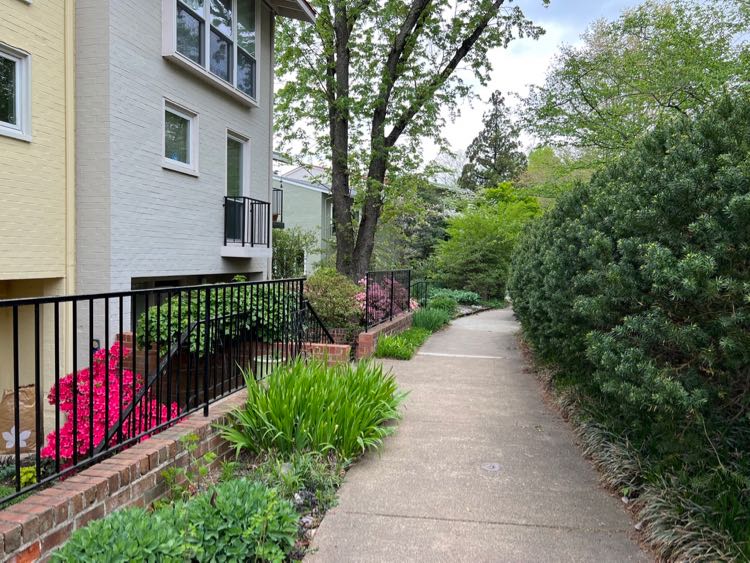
(295, 9)
(285, 180)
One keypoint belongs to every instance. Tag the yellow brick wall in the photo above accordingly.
(37, 177)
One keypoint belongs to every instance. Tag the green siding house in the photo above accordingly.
(302, 200)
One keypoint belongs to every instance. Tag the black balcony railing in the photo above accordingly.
(277, 208)
(247, 221)
(387, 295)
(136, 363)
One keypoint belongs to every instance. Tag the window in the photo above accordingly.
(180, 139)
(220, 37)
(235, 166)
(15, 93)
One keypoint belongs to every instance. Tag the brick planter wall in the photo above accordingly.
(368, 341)
(333, 354)
(31, 529)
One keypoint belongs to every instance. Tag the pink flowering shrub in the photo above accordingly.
(378, 302)
(148, 412)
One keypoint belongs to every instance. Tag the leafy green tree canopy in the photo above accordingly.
(371, 79)
(289, 249)
(476, 255)
(551, 172)
(495, 154)
(661, 59)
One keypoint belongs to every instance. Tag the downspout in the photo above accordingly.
(272, 73)
(69, 283)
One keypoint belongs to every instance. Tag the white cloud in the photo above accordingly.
(523, 63)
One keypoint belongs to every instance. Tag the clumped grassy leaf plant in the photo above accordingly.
(309, 406)
(430, 319)
(401, 346)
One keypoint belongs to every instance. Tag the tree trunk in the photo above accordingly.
(339, 129)
(371, 209)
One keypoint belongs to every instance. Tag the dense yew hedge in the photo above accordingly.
(638, 286)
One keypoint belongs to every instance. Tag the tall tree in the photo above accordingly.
(372, 78)
(663, 58)
(495, 154)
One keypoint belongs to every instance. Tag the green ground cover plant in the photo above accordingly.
(431, 319)
(308, 480)
(239, 520)
(461, 296)
(635, 286)
(127, 535)
(401, 346)
(309, 406)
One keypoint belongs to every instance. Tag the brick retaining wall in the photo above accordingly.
(368, 341)
(31, 529)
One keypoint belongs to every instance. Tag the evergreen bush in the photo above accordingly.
(637, 284)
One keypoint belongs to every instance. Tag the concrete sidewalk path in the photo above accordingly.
(478, 470)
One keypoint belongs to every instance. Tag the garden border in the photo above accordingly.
(31, 529)
(367, 342)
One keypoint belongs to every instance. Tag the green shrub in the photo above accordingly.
(431, 319)
(264, 309)
(637, 285)
(476, 256)
(444, 303)
(127, 535)
(334, 298)
(459, 295)
(309, 406)
(289, 248)
(308, 480)
(238, 521)
(401, 346)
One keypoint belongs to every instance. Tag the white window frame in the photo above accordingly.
(191, 167)
(245, 183)
(169, 51)
(22, 129)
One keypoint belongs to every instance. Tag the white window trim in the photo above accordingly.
(21, 130)
(245, 163)
(169, 52)
(192, 167)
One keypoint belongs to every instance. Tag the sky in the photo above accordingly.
(525, 61)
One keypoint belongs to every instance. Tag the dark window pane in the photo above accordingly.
(246, 73)
(221, 56)
(234, 167)
(176, 137)
(221, 16)
(246, 25)
(8, 91)
(189, 35)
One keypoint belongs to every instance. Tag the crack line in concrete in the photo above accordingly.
(460, 356)
(491, 522)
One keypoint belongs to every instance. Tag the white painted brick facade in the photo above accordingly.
(136, 219)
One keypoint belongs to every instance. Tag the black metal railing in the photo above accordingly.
(247, 221)
(277, 208)
(136, 362)
(311, 327)
(420, 292)
(387, 295)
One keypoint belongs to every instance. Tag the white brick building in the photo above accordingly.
(174, 112)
